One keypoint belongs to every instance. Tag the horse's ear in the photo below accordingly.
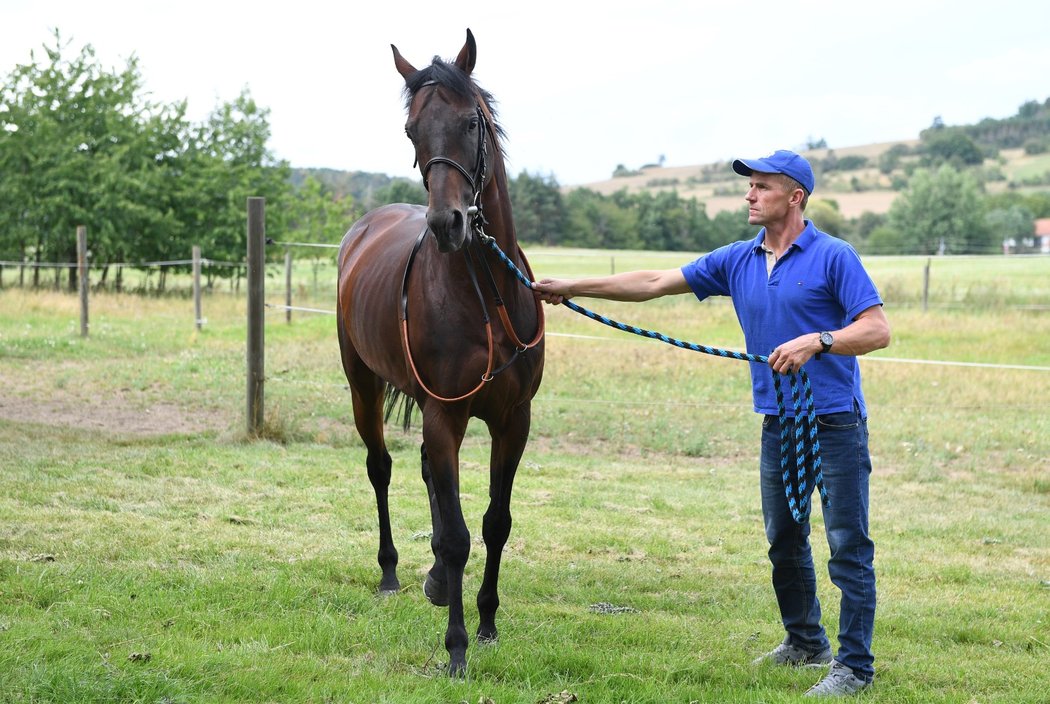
(403, 67)
(468, 54)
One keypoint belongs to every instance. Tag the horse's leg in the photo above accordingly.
(508, 444)
(366, 390)
(442, 436)
(435, 588)
(368, 415)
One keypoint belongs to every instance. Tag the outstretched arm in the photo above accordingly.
(628, 286)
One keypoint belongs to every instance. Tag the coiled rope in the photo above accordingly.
(797, 490)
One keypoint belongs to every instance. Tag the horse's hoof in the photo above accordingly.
(389, 587)
(488, 637)
(435, 591)
(388, 592)
(457, 666)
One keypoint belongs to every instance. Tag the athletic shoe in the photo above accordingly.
(787, 654)
(839, 682)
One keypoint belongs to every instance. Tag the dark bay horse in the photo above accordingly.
(416, 304)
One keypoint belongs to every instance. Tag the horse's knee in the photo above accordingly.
(454, 548)
(378, 465)
(495, 528)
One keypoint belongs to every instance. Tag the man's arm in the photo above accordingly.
(628, 286)
(869, 331)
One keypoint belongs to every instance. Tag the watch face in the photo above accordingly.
(827, 340)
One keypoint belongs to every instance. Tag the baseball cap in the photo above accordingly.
(781, 161)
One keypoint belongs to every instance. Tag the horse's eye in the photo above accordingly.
(473, 123)
(408, 134)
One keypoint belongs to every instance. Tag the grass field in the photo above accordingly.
(150, 553)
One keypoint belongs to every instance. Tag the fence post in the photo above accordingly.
(288, 285)
(197, 285)
(926, 286)
(82, 276)
(256, 310)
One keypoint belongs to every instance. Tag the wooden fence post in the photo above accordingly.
(926, 286)
(82, 276)
(197, 285)
(288, 285)
(256, 311)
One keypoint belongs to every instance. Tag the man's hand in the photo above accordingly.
(552, 291)
(789, 357)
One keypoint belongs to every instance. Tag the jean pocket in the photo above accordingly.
(847, 420)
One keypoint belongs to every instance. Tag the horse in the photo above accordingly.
(413, 322)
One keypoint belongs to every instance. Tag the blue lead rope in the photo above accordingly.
(807, 445)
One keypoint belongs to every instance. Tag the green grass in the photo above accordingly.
(179, 563)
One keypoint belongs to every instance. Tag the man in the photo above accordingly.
(803, 298)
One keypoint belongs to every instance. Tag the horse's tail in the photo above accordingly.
(401, 404)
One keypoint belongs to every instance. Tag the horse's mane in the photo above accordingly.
(450, 77)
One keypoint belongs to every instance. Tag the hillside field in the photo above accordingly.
(717, 186)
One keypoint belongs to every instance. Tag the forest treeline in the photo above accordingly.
(83, 145)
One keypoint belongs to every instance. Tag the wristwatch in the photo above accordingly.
(826, 341)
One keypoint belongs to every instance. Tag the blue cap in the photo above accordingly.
(781, 161)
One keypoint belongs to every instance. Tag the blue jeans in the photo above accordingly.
(846, 466)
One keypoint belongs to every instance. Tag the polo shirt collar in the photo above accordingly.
(803, 240)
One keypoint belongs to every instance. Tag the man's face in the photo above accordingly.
(767, 199)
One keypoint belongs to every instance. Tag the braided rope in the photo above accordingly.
(807, 446)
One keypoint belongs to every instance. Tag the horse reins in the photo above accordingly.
(477, 182)
(807, 446)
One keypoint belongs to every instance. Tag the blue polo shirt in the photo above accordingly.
(818, 284)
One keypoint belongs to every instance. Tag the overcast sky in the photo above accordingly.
(581, 87)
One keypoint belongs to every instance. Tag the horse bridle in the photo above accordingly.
(477, 182)
(477, 179)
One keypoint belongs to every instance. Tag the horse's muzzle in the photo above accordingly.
(450, 229)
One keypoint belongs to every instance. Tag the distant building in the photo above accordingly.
(1042, 235)
(1038, 242)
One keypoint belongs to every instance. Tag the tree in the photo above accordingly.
(539, 209)
(599, 222)
(79, 146)
(1013, 223)
(400, 190)
(952, 146)
(826, 216)
(225, 162)
(670, 223)
(941, 212)
(731, 226)
(318, 217)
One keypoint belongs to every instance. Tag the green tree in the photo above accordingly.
(316, 216)
(668, 222)
(79, 146)
(1013, 223)
(826, 216)
(941, 212)
(227, 161)
(400, 190)
(599, 222)
(951, 146)
(731, 226)
(539, 210)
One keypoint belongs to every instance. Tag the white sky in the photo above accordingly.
(581, 86)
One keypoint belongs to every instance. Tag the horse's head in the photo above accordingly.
(450, 125)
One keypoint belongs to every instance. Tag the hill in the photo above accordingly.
(866, 188)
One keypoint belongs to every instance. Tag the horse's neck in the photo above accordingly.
(496, 208)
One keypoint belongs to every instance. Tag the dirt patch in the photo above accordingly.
(116, 415)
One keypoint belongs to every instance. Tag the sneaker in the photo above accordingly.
(787, 654)
(839, 682)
